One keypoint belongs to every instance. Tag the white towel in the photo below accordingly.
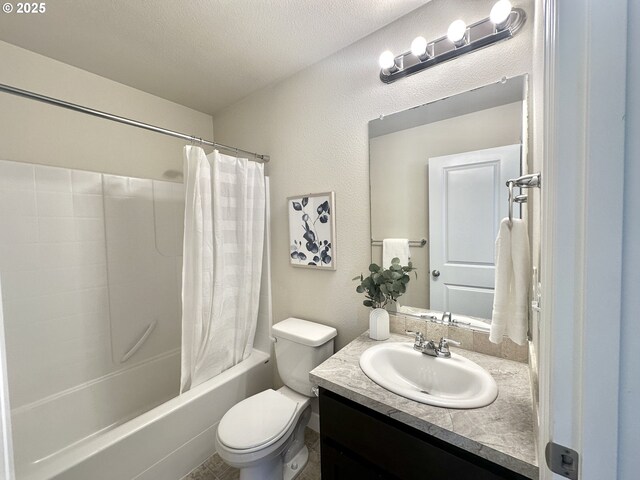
(395, 248)
(510, 301)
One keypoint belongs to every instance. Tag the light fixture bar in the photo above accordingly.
(478, 35)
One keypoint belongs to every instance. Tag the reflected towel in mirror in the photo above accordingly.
(395, 247)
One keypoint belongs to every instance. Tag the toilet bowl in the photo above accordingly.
(263, 435)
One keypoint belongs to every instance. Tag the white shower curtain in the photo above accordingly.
(222, 264)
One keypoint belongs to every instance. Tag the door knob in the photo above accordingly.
(435, 273)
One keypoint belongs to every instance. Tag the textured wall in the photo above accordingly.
(37, 133)
(314, 126)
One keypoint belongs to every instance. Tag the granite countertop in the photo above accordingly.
(501, 432)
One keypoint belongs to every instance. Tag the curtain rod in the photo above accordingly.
(127, 121)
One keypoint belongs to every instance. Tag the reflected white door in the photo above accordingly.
(467, 199)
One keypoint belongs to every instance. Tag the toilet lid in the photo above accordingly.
(257, 420)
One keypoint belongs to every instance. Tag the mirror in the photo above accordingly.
(437, 178)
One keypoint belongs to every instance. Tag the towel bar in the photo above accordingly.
(412, 243)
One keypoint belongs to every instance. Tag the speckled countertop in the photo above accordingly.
(501, 432)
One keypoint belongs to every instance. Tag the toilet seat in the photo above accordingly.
(257, 422)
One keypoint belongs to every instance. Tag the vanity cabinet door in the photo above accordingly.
(359, 443)
(340, 464)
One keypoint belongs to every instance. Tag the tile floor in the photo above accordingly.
(215, 469)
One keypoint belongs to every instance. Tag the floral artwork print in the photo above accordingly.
(311, 231)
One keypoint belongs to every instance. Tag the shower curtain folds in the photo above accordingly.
(222, 262)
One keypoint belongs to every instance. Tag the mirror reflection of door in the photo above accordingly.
(402, 147)
(467, 200)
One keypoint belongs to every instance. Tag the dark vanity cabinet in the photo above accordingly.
(359, 443)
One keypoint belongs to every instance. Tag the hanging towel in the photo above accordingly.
(510, 301)
(395, 247)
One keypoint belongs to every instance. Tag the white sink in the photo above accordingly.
(454, 382)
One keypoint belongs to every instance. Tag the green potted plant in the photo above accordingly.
(381, 287)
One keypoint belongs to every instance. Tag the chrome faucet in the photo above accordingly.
(428, 347)
(446, 317)
(443, 347)
(418, 341)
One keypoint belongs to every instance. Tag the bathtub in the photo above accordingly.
(164, 443)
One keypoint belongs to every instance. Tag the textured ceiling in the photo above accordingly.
(203, 54)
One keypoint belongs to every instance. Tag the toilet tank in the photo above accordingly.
(300, 347)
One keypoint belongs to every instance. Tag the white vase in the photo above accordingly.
(379, 324)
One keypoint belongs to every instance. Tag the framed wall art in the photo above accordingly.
(312, 231)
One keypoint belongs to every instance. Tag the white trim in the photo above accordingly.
(628, 417)
(6, 445)
(585, 59)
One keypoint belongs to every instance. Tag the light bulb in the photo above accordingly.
(419, 47)
(456, 32)
(500, 13)
(387, 60)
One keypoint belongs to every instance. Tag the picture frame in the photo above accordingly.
(312, 231)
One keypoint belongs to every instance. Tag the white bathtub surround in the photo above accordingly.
(143, 224)
(513, 271)
(222, 266)
(88, 262)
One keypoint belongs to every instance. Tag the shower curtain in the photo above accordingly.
(222, 263)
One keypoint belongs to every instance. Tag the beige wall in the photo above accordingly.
(314, 126)
(37, 133)
(399, 170)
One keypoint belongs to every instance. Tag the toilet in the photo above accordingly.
(263, 435)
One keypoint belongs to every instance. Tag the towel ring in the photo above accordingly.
(525, 181)
(517, 199)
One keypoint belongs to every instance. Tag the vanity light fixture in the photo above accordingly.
(500, 14)
(388, 63)
(457, 32)
(419, 48)
(503, 22)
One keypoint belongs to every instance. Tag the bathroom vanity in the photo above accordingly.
(369, 432)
